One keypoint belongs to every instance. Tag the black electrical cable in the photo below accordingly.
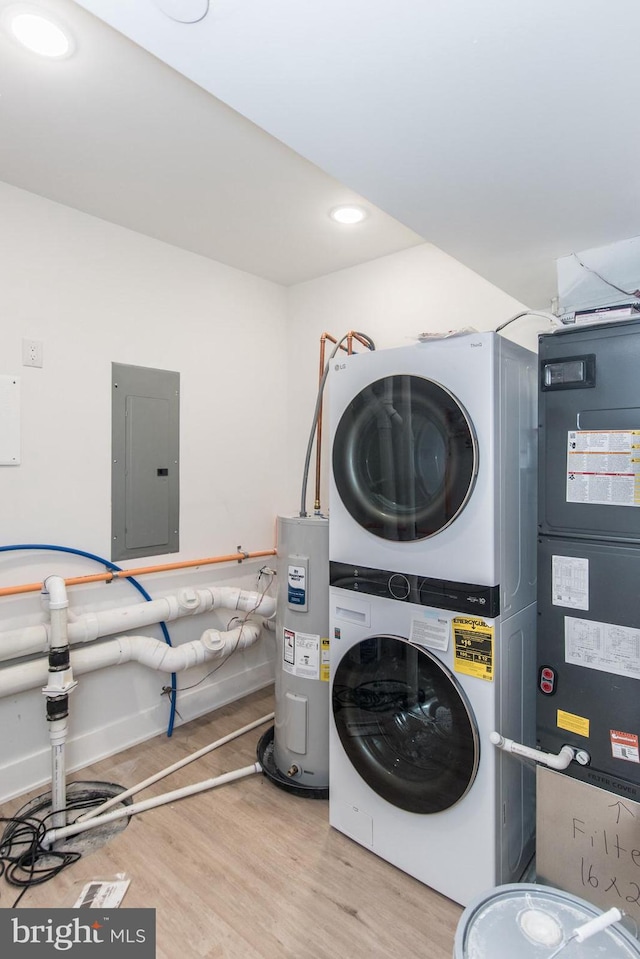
(24, 861)
(635, 294)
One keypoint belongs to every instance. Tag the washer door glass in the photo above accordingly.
(405, 724)
(405, 458)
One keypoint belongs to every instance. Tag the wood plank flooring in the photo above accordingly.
(248, 870)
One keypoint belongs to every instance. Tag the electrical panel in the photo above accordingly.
(145, 501)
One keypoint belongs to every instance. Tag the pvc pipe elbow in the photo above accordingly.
(559, 761)
(56, 589)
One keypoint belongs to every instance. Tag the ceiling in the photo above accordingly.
(502, 132)
(114, 132)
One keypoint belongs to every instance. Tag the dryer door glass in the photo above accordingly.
(405, 724)
(405, 458)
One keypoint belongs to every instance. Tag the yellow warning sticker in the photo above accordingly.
(572, 723)
(324, 660)
(473, 647)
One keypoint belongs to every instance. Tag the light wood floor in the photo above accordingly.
(248, 871)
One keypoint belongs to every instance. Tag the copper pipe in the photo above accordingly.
(110, 575)
(360, 339)
(350, 337)
(323, 340)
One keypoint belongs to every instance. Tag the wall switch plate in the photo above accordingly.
(32, 353)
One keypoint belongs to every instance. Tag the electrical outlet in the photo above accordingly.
(32, 353)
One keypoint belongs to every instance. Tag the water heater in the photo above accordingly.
(295, 753)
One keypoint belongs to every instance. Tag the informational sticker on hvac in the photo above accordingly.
(570, 582)
(624, 746)
(114, 933)
(301, 654)
(604, 646)
(473, 647)
(603, 467)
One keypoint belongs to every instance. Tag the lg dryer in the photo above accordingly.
(434, 467)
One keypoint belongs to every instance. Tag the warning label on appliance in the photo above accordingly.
(432, 631)
(301, 654)
(603, 466)
(604, 646)
(624, 746)
(570, 582)
(473, 647)
(572, 723)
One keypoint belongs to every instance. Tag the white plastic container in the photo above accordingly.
(529, 921)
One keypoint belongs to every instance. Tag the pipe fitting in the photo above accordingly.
(189, 599)
(60, 682)
(559, 762)
(57, 708)
(59, 659)
(56, 589)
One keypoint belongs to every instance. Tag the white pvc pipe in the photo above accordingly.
(163, 773)
(54, 835)
(90, 626)
(60, 683)
(213, 644)
(58, 785)
(559, 761)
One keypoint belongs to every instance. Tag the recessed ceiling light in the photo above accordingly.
(348, 214)
(38, 31)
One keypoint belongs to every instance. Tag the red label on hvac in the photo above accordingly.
(624, 746)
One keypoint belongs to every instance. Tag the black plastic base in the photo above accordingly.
(271, 771)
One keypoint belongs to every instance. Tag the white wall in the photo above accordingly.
(393, 300)
(247, 352)
(94, 294)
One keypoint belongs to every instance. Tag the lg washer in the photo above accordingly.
(415, 692)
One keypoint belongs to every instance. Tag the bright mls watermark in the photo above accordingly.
(105, 933)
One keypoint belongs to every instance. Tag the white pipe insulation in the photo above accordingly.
(213, 644)
(90, 626)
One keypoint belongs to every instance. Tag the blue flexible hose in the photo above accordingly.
(131, 579)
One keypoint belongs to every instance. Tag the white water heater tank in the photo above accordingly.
(301, 729)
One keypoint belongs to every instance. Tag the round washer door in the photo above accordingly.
(405, 724)
(405, 458)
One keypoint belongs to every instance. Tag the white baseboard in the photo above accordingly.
(34, 771)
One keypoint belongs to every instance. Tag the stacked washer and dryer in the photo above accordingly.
(432, 547)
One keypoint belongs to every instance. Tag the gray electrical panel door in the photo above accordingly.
(145, 461)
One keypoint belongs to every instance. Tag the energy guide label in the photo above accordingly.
(473, 647)
(603, 467)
